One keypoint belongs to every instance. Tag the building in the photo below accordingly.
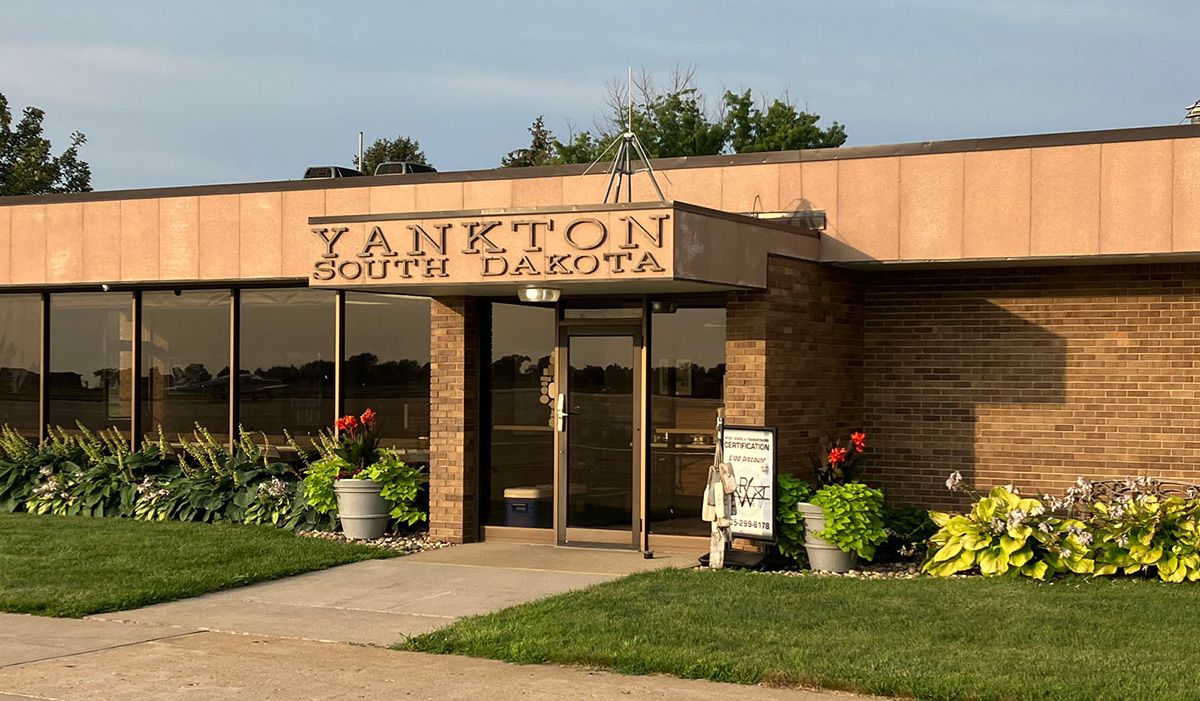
(1019, 309)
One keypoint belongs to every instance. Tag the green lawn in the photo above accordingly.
(923, 638)
(75, 566)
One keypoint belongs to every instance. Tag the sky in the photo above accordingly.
(210, 92)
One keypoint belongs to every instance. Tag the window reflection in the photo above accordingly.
(386, 365)
(522, 437)
(20, 361)
(286, 363)
(91, 355)
(185, 362)
(687, 380)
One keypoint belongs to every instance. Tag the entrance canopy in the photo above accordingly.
(640, 248)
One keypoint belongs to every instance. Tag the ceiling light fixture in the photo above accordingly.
(539, 295)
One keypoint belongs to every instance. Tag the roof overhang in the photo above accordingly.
(634, 248)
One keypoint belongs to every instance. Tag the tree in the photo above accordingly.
(676, 121)
(27, 166)
(402, 148)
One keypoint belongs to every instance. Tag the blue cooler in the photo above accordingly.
(528, 507)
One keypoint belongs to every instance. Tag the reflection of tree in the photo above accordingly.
(365, 370)
(613, 377)
(517, 370)
(193, 374)
(313, 372)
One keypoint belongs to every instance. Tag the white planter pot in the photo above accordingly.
(362, 512)
(822, 555)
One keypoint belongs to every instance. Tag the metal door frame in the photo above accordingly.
(634, 330)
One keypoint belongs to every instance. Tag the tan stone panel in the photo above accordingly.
(220, 222)
(348, 200)
(439, 197)
(487, 194)
(1065, 209)
(301, 247)
(1135, 197)
(996, 204)
(139, 240)
(64, 242)
(392, 199)
(585, 189)
(869, 208)
(750, 188)
(931, 207)
(29, 243)
(700, 186)
(791, 187)
(819, 193)
(179, 243)
(101, 241)
(260, 237)
(5, 245)
(1185, 230)
(537, 192)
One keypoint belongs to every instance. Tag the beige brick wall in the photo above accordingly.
(1032, 376)
(454, 419)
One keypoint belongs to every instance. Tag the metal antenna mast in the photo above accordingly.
(620, 173)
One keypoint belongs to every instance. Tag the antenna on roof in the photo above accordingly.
(620, 173)
(1193, 113)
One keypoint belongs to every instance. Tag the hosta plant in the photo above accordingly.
(1004, 533)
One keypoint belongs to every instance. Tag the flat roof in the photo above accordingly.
(996, 143)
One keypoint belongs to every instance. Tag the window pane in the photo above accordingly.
(687, 380)
(91, 356)
(387, 365)
(185, 362)
(286, 364)
(20, 361)
(522, 437)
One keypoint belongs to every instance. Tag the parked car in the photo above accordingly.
(402, 168)
(320, 172)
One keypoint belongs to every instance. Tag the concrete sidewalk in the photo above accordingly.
(201, 666)
(382, 602)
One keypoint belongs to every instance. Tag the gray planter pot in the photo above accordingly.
(362, 512)
(822, 555)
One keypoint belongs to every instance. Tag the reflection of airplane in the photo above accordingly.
(249, 385)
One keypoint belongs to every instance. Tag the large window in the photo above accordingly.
(185, 362)
(287, 361)
(386, 364)
(687, 378)
(521, 390)
(20, 361)
(91, 354)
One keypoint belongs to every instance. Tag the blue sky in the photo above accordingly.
(175, 93)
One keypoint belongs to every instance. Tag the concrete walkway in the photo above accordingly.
(285, 639)
(382, 602)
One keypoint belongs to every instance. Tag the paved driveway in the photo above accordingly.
(381, 602)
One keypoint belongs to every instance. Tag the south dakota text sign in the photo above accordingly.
(514, 247)
(750, 451)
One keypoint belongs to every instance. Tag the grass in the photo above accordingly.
(924, 638)
(75, 566)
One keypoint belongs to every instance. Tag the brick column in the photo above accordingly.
(453, 419)
(793, 356)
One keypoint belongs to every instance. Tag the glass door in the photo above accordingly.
(599, 435)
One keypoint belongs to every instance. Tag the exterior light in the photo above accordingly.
(539, 295)
(661, 307)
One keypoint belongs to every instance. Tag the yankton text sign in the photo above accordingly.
(505, 247)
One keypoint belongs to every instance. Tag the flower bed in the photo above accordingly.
(196, 478)
(1137, 527)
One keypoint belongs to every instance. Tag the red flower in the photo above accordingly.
(346, 423)
(837, 455)
(368, 417)
(859, 440)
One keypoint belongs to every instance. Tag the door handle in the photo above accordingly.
(560, 412)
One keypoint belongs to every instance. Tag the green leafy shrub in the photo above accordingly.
(853, 517)
(788, 521)
(908, 530)
(401, 485)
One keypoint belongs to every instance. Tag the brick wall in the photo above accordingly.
(805, 378)
(1033, 376)
(454, 419)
